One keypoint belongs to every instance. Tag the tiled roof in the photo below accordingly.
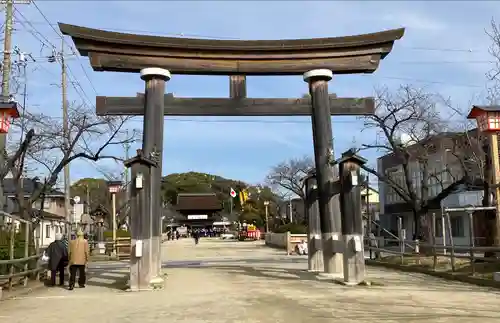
(29, 186)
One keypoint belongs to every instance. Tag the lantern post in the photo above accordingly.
(8, 111)
(488, 123)
(114, 187)
(266, 205)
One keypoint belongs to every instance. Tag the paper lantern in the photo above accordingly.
(487, 117)
(7, 112)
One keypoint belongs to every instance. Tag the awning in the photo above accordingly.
(222, 223)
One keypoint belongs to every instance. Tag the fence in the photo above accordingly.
(18, 254)
(432, 254)
(286, 241)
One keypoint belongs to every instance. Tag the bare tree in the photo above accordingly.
(493, 76)
(288, 175)
(411, 126)
(45, 147)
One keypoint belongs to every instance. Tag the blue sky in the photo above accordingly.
(445, 49)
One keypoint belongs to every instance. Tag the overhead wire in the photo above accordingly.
(73, 80)
(79, 89)
(65, 42)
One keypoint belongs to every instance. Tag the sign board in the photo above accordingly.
(232, 193)
(197, 217)
(251, 227)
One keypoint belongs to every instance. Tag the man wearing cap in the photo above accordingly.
(78, 259)
(58, 259)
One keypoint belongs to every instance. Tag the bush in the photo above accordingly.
(294, 228)
(119, 234)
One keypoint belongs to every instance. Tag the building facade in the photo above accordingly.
(445, 157)
(52, 219)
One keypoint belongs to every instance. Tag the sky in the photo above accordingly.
(444, 50)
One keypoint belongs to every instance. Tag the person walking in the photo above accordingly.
(78, 259)
(58, 259)
(196, 236)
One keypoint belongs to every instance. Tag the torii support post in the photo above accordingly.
(329, 210)
(315, 250)
(152, 144)
(141, 256)
(352, 218)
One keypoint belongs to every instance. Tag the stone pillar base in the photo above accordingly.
(331, 275)
(154, 284)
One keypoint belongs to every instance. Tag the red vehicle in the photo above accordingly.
(250, 232)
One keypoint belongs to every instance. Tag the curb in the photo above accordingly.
(443, 275)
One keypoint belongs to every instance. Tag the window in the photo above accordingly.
(457, 226)
(47, 231)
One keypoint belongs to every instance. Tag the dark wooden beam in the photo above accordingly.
(232, 107)
(112, 51)
(237, 86)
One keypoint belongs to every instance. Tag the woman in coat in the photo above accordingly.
(58, 259)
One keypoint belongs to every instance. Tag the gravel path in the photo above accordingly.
(226, 281)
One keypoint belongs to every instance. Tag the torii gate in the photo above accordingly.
(157, 58)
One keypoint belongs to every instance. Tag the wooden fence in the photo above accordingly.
(18, 255)
(470, 256)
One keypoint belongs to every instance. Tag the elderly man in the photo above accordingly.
(78, 259)
(58, 259)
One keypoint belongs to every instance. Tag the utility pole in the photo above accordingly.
(66, 134)
(6, 66)
(6, 69)
(290, 209)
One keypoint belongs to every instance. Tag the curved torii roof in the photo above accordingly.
(120, 52)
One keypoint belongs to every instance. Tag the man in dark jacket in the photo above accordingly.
(58, 259)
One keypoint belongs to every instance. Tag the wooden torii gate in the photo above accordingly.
(157, 58)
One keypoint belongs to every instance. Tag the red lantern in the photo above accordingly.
(487, 117)
(7, 111)
(114, 186)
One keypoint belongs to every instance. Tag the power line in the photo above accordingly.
(180, 34)
(64, 40)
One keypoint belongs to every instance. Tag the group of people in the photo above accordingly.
(173, 235)
(74, 254)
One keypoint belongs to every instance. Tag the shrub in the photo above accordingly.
(294, 228)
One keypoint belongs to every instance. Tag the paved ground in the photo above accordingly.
(222, 281)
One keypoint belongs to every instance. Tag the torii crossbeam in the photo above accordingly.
(106, 105)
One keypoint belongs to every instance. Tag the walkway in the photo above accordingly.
(222, 281)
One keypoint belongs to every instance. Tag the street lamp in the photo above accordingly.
(114, 187)
(488, 122)
(8, 111)
(266, 205)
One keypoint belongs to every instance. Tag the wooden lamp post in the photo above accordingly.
(488, 122)
(266, 205)
(114, 187)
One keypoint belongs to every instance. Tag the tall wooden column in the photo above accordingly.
(141, 258)
(154, 96)
(352, 218)
(329, 211)
(315, 250)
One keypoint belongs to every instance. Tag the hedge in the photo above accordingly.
(294, 228)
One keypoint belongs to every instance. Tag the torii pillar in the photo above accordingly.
(152, 146)
(329, 207)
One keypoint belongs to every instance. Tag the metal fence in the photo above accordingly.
(19, 256)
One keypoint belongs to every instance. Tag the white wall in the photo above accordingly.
(46, 231)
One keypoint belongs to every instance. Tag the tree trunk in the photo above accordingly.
(416, 224)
